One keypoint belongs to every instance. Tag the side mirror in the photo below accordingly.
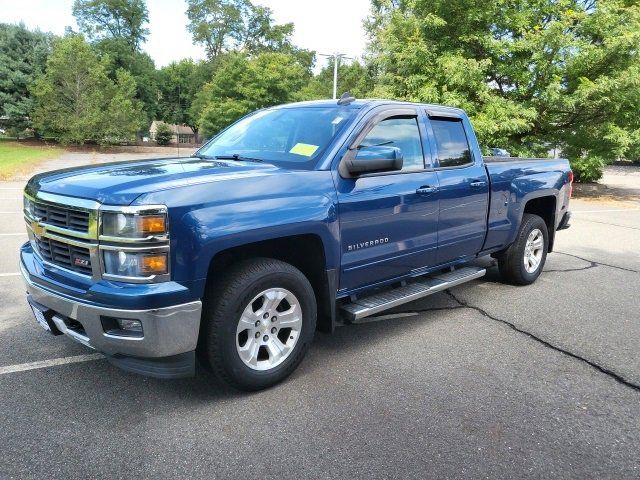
(376, 158)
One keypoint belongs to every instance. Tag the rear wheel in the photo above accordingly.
(523, 261)
(258, 323)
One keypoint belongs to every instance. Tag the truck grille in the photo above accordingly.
(60, 216)
(64, 255)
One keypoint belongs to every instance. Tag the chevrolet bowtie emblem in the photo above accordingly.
(38, 229)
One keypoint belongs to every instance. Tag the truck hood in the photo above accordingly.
(120, 183)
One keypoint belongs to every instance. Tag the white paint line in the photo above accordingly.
(12, 234)
(11, 198)
(11, 188)
(604, 211)
(16, 274)
(23, 367)
(12, 213)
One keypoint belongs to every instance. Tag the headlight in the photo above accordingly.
(135, 264)
(133, 225)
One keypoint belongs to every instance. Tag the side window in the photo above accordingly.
(401, 132)
(451, 142)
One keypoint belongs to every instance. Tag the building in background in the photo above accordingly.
(181, 133)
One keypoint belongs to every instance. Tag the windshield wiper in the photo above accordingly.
(237, 157)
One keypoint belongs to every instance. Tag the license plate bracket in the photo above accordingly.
(43, 316)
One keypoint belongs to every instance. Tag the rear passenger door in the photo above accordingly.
(464, 187)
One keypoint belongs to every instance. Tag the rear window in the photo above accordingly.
(451, 143)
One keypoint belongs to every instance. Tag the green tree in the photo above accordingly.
(76, 100)
(139, 65)
(23, 56)
(354, 78)
(242, 84)
(163, 134)
(531, 73)
(226, 25)
(117, 28)
(102, 19)
(178, 85)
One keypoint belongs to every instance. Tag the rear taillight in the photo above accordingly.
(570, 178)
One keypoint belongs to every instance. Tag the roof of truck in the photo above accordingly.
(370, 102)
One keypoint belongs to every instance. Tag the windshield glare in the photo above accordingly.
(289, 137)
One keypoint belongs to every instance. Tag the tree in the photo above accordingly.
(225, 25)
(354, 78)
(532, 73)
(178, 85)
(102, 19)
(139, 65)
(76, 100)
(163, 134)
(242, 84)
(23, 55)
(117, 29)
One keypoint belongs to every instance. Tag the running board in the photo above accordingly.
(422, 287)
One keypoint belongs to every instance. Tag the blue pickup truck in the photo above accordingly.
(295, 218)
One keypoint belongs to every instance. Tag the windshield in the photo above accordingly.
(289, 137)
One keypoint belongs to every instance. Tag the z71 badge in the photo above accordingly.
(368, 243)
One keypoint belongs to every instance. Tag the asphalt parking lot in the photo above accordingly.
(485, 381)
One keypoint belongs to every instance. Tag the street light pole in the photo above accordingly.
(336, 58)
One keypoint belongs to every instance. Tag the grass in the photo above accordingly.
(17, 157)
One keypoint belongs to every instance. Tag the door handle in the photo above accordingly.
(477, 184)
(425, 190)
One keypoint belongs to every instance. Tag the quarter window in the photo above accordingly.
(451, 142)
(401, 132)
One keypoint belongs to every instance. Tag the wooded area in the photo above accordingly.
(534, 75)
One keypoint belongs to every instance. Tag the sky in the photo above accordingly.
(326, 26)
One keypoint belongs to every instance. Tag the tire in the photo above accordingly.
(515, 263)
(266, 291)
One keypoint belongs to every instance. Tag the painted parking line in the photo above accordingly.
(12, 234)
(12, 274)
(23, 367)
(11, 213)
(573, 212)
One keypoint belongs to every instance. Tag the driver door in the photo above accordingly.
(389, 220)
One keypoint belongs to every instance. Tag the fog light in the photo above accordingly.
(129, 325)
(122, 327)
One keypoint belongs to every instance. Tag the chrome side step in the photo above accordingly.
(421, 287)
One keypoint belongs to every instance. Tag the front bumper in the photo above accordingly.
(170, 334)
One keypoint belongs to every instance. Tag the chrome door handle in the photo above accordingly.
(477, 184)
(426, 190)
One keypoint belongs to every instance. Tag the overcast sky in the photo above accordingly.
(325, 26)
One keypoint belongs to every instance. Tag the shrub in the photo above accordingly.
(587, 169)
(163, 134)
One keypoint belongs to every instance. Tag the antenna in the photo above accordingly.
(346, 99)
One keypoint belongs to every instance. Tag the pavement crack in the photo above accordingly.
(596, 263)
(610, 373)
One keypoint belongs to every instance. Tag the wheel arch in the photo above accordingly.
(543, 206)
(306, 252)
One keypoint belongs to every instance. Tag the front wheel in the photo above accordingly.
(523, 261)
(258, 323)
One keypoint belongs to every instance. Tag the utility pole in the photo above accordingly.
(336, 58)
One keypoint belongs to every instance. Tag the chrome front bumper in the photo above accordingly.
(167, 331)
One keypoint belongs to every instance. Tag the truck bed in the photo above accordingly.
(513, 182)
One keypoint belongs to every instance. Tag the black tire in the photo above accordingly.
(224, 303)
(511, 262)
